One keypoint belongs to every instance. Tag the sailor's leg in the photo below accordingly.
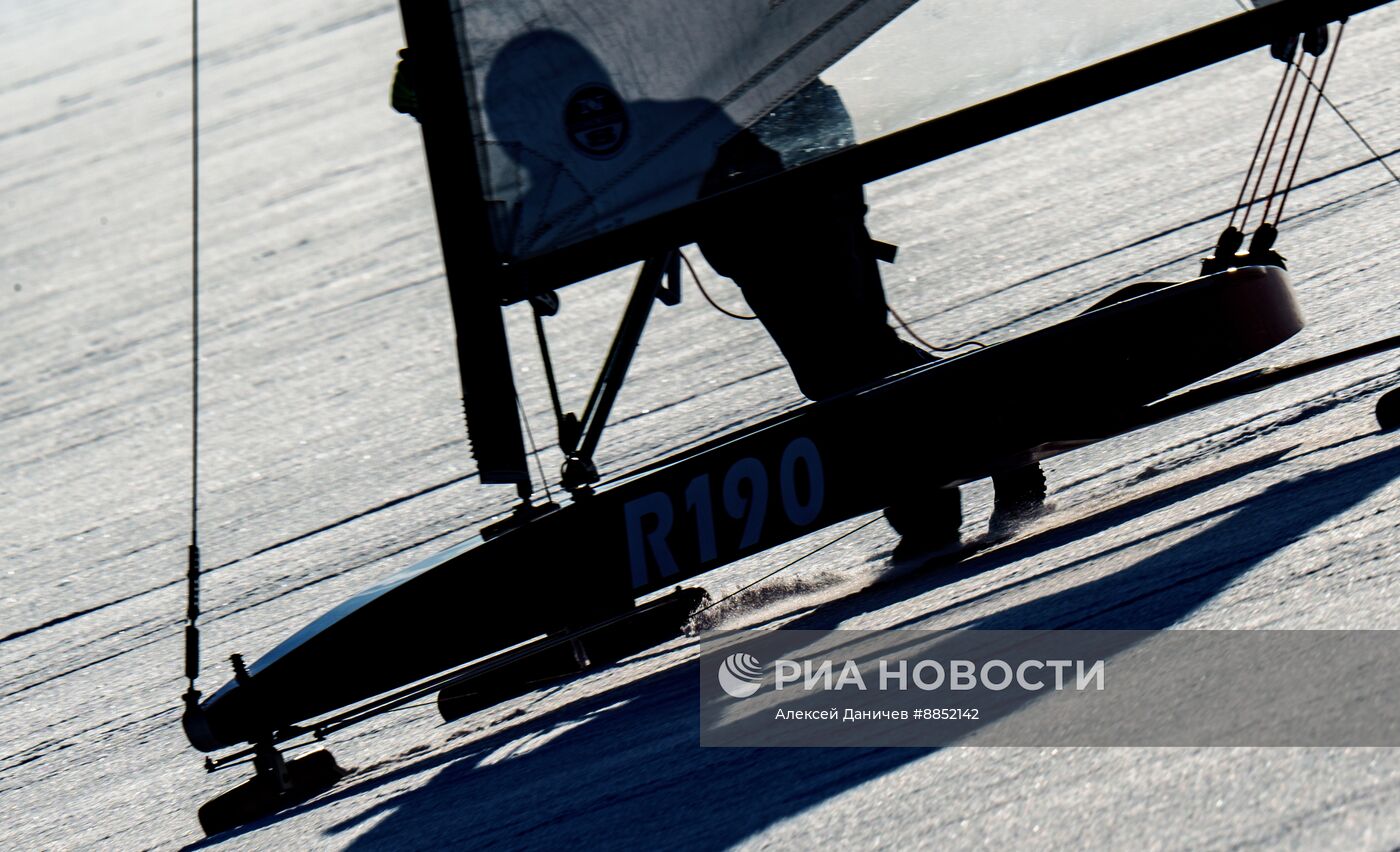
(928, 524)
(808, 271)
(807, 268)
(1019, 499)
(887, 353)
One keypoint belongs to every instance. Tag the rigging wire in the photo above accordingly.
(782, 568)
(549, 371)
(1379, 158)
(534, 450)
(192, 567)
(1319, 96)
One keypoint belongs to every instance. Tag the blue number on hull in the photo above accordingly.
(750, 508)
(804, 451)
(698, 500)
(656, 505)
(651, 518)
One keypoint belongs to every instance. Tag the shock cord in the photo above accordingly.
(977, 344)
(897, 318)
(699, 285)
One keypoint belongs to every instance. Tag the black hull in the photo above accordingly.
(996, 408)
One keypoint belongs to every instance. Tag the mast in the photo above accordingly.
(473, 268)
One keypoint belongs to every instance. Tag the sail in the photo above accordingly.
(566, 138)
(594, 113)
(591, 114)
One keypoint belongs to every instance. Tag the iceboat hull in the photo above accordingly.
(996, 408)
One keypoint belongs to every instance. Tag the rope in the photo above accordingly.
(706, 293)
(1263, 134)
(1307, 131)
(1296, 68)
(897, 318)
(904, 325)
(1288, 143)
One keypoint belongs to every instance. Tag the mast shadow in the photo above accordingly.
(622, 768)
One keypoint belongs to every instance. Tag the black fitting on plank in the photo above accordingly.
(1226, 252)
(1285, 48)
(1263, 239)
(240, 671)
(1315, 41)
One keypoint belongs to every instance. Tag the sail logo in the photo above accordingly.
(595, 120)
(740, 675)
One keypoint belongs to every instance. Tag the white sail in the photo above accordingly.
(942, 56)
(593, 114)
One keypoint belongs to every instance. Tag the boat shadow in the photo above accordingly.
(623, 768)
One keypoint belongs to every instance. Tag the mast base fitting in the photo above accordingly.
(1228, 255)
(579, 473)
(1214, 264)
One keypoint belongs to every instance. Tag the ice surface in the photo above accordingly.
(329, 391)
